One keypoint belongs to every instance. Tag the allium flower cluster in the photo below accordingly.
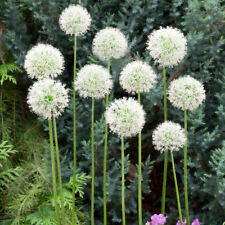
(186, 93)
(125, 117)
(167, 46)
(47, 98)
(93, 81)
(75, 20)
(168, 136)
(44, 61)
(137, 76)
(109, 43)
(157, 220)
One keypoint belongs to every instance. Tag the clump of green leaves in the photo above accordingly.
(7, 174)
(7, 68)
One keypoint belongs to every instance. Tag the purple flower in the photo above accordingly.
(184, 222)
(148, 223)
(158, 219)
(195, 222)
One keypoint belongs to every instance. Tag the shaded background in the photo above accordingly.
(25, 23)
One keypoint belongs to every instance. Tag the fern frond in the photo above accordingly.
(8, 68)
(5, 150)
(81, 180)
(8, 176)
(43, 216)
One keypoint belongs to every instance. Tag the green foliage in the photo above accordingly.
(43, 216)
(216, 179)
(8, 68)
(5, 151)
(203, 25)
(31, 200)
(81, 180)
(7, 175)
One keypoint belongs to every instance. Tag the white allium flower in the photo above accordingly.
(186, 93)
(168, 136)
(109, 43)
(44, 61)
(93, 81)
(75, 20)
(167, 46)
(137, 76)
(48, 98)
(125, 117)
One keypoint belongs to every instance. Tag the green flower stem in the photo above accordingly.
(74, 132)
(185, 170)
(166, 152)
(53, 171)
(92, 164)
(123, 181)
(59, 171)
(176, 186)
(105, 158)
(2, 119)
(139, 173)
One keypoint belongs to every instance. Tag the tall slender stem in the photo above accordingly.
(53, 171)
(123, 181)
(176, 187)
(139, 172)
(185, 170)
(74, 131)
(59, 171)
(165, 97)
(92, 164)
(2, 119)
(165, 153)
(105, 159)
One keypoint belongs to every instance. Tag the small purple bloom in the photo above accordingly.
(195, 222)
(148, 223)
(184, 222)
(158, 219)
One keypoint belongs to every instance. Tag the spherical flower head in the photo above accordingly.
(125, 117)
(186, 93)
(158, 219)
(168, 136)
(75, 20)
(137, 77)
(93, 81)
(109, 43)
(44, 61)
(48, 98)
(167, 46)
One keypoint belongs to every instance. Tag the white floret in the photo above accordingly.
(93, 81)
(75, 20)
(167, 46)
(47, 98)
(168, 136)
(109, 43)
(125, 117)
(186, 93)
(44, 61)
(137, 77)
